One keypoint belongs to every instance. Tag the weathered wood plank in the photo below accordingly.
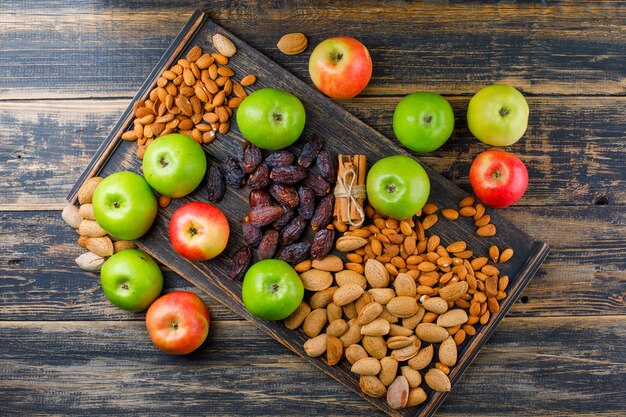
(557, 368)
(91, 49)
(573, 147)
(584, 274)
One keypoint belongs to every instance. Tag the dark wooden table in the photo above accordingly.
(67, 71)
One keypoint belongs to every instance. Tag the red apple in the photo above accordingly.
(199, 231)
(498, 178)
(178, 322)
(340, 67)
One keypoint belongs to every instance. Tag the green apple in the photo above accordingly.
(271, 119)
(423, 121)
(498, 115)
(174, 165)
(272, 289)
(397, 186)
(124, 205)
(131, 280)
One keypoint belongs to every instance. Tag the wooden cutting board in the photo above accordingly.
(343, 133)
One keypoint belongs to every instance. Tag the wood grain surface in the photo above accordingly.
(68, 70)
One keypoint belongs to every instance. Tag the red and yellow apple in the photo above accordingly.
(340, 67)
(498, 178)
(199, 231)
(178, 322)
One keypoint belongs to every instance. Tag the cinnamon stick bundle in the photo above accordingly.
(350, 189)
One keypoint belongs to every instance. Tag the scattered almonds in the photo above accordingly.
(292, 43)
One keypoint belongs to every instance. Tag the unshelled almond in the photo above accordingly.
(369, 313)
(376, 274)
(375, 346)
(353, 335)
(102, 246)
(347, 293)
(448, 352)
(454, 291)
(354, 353)
(322, 298)
(416, 396)
(377, 327)
(405, 353)
(314, 323)
(452, 318)
(402, 306)
(423, 358)
(388, 370)
(348, 276)
(331, 263)
(121, 245)
(334, 350)
(292, 43)
(436, 305)
(398, 393)
(405, 285)
(382, 295)
(413, 377)
(89, 261)
(86, 211)
(337, 328)
(431, 333)
(91, 228)
(372, 386)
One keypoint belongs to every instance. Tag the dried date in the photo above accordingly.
(310, 150)
(285, 195)
(259, 198)
(239, 262)
(232, 172)
(288, 174)
(268, 245)
(294, 253)
(327, 165)
(251, 234)
(292, 231)
(307, 202)
(319, 185)
(251, 158)
(215, 184)
(323, 213)
(279, 158)
(260, 178)
(322, 243)
(262, 216)
(285, 218)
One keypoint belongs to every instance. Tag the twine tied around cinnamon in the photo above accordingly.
(347, 188)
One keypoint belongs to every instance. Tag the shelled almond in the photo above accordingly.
(404, 302)
(196, 96)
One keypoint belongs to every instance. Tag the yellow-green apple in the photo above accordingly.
(199, 231)
(498, 115)
(397, 186)
(178, 322)
(174, 165)
(340, 67)
(124, 205)
(131, 279)
(271, 118)
(498, 178)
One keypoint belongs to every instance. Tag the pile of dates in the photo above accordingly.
(287, 194)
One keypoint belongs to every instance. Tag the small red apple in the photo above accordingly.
(498, 178)
(340, 67)
(199, 231)
(178, 322)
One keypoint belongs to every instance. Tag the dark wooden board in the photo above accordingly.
(52, 287)
(104, 49)
(573, 147)
(110, 367)
(343, 134)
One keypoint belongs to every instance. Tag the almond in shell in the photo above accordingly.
(370, 312)
(375, 346)
(334, 312)
(372, 386)
(316, 280)
(378, 327)
(416, 396)
(224, 45)
(431, 333)
(89, 261)
(334, 350)
(436, 305)
(398, 393)
(382, 295)
(403, 306)
(102, 246)
(353, 335)
(316, 346)
(423, 358)
(315, 322)
(405, 353)
(366, 366)
(337, 328)
(348, 276)
(86, 211)
(121, 245)
(437, 380)
(296, 318)
(454, 291)
(405, 285)
(412, 322)
(388, 370)
(397, 342)
(412, 376)
(376, 274)
(448, 352)
(395, 330)
(72, 217)
(331, 263)
(452, 318)
(91, 228)
(355, 352)
(85, 193)
(346, 293)
(322, 298)
(292, 43)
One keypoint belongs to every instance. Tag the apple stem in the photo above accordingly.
(336, 56)
(193, 231)
(174, 325)
(278, 117)
(274, 287)
(391, 188)
(164, 162)
(504, 112)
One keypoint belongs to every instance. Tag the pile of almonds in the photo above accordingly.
(92, 236)
(482, 220)
(196, 97)
(401, 305)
